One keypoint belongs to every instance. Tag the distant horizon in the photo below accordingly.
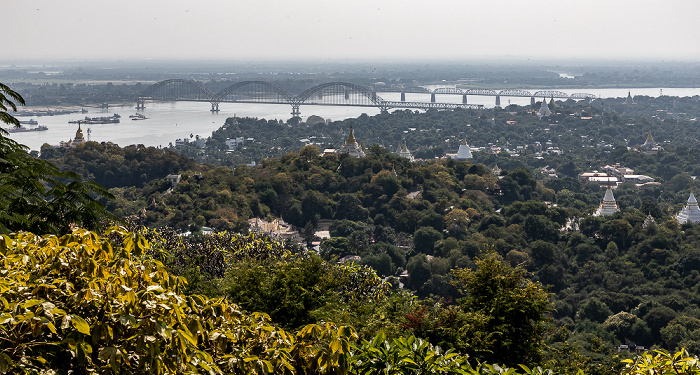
(357, 30)
(477, 61)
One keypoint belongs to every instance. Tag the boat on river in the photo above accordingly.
(138, 116)
(98, 120)
(22, 129)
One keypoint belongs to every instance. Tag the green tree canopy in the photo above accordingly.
(513, 305)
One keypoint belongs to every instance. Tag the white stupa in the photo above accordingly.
(544, 109)
(648, 221)
(691, 211)
(464, 153)
(404, 152)
(352, 147)
(608, 206)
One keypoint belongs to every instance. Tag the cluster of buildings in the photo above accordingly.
(613, 175)
(353, 148)
(277, 229)
(198, 141)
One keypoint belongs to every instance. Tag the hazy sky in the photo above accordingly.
(349, 29)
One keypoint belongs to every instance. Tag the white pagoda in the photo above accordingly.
(608, 206)
(351, 146)
(405, 153)
(464, 153)
(650, 146)
(691, 211)
(544, 109)
(497, 171)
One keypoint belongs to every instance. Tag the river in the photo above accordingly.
(167, 122)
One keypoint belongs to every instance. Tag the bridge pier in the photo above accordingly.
(432, 97)
(464, 98)
(140, 104)
(105, 105)
(214, 107)
(532, 100)
(295, 110)
(403, 96)
(498, 100)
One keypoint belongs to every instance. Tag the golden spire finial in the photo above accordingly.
(351, 137)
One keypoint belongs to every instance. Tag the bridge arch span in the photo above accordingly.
(254, 91)
(174, 89)
(336, 92)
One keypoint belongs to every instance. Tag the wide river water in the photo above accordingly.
(167, 122)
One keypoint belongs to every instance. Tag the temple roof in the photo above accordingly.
(544, 109)
(650, 138)
(351, 137)
(689, 213)
(609, 195)
(79, 133)
(608, 206)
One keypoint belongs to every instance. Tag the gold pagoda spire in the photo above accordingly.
(351, 137)
(79, 133)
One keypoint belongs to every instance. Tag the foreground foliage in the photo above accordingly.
(85, 304)
(82, 303)
(662, 362)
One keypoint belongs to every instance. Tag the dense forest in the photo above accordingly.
(508, 268)
(613, 281)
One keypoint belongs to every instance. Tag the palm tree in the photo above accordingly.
(6, 92)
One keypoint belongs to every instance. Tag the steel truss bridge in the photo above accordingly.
(332, 94)
(497, 94)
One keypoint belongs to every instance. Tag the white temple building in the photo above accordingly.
(351, 146)
(497, 171)
(544, 109)
(689, 213)
(648, 221)
(650, 146)
(405, 153)
(608, 206)
(464, 153)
